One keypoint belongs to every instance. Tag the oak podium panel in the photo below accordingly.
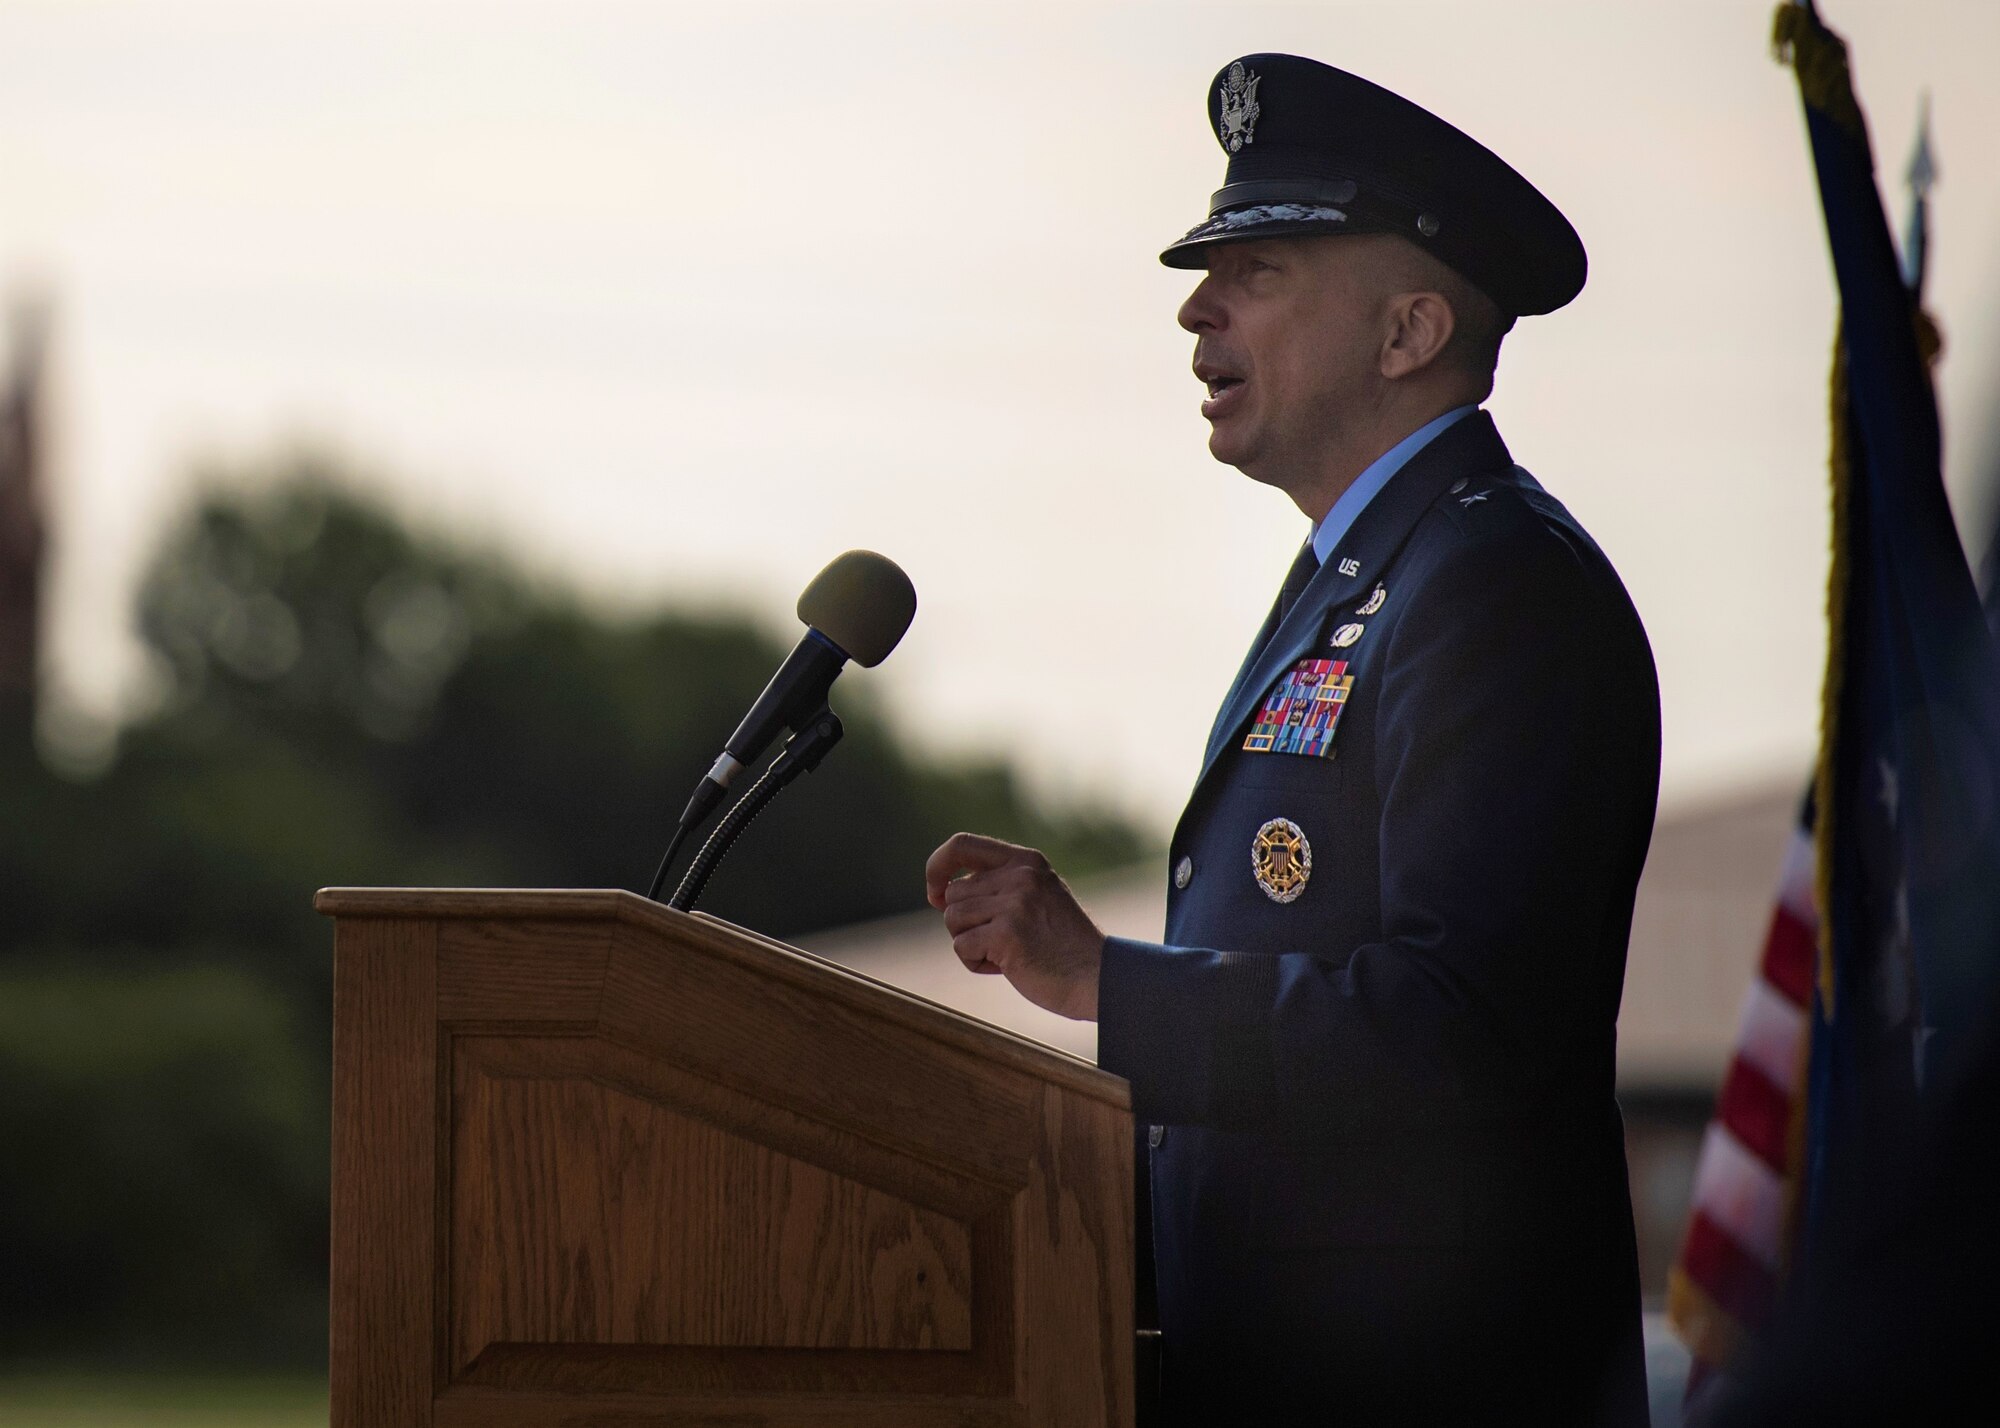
(599, 1162)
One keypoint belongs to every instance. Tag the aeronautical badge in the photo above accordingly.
(1303, 710)
(1282, 859)
(1346, 635)
(1374, 601)
(1239, 107)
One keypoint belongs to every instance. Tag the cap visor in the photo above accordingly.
(1267, 220)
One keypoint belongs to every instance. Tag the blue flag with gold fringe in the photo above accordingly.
(1908, 790)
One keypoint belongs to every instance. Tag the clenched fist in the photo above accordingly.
(1012, 915)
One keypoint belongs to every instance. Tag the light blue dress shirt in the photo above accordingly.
(1354, 500)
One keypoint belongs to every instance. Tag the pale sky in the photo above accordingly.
(678, 301)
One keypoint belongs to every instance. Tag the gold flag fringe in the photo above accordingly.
(1819, 55)
(1712, 1334)
(1838, 469)
(1930, 346)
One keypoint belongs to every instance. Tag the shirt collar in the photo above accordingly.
(1354, 500)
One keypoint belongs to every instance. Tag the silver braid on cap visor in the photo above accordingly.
(1265, 213)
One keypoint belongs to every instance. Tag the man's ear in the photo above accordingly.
(1420, 327)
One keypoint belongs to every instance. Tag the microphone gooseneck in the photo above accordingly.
(801, 754)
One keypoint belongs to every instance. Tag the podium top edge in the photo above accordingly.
(620, 905)
(579, 903)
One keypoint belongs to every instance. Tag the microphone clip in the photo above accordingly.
(817, 734)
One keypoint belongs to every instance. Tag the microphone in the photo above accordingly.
(857, 608)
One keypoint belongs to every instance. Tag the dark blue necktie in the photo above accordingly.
(1296, 579)
(1304, 566)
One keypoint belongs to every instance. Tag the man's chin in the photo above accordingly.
(1243, 455)
(1228, 446)
(1263, 473)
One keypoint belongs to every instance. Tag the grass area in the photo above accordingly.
(80, 1399)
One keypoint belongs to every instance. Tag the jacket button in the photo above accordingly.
(1183, 872)
(1155, 1134)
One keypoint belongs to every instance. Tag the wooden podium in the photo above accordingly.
(597, 1162)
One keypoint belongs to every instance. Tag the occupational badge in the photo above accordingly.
(1302, 712)
(1374, 601)
(1282, 859)
(1346, 635)
(1239, 107)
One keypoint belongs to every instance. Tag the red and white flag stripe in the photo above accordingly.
(1723, 1288)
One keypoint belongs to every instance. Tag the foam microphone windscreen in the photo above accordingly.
(862, 602)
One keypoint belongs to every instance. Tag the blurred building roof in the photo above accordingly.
(1697, 931)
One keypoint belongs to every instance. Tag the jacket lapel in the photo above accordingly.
(1264, 633)
(1467, 446)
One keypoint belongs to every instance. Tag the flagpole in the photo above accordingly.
(1921, 176)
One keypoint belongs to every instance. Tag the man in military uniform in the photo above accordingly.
(1374, 1056)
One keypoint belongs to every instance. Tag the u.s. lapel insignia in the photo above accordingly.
(1282, 859)
(1303, 710)
(1239, 107)
(1374, 601)
(1346, 635)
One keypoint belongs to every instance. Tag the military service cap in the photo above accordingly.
(1314, 150)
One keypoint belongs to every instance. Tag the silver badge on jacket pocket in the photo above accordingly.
(1281, 859)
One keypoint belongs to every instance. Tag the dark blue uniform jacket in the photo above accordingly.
(1387, 1178)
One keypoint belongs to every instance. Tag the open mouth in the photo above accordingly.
(1223, 389)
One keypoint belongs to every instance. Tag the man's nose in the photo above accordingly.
(1201, 313)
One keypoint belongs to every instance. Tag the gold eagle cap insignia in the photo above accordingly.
(1239, 107)
(1281, 859)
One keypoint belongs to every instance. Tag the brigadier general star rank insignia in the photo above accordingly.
(1303, 710)
(1239, 107)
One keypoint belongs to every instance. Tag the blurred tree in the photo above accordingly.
(346, 701)
(477, 728)
(164, 1191)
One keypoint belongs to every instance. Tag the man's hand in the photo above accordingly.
(1012, 915)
